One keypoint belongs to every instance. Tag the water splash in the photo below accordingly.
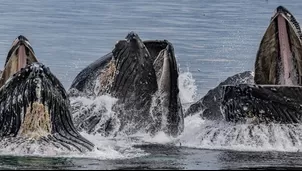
(242, 137)
(105, 149)
(95, 115)
(187, 87)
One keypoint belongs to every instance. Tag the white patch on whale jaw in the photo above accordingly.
(99, 83)
(104, 83)
(36, 122)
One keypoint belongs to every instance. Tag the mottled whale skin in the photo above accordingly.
(34, 106)
(208, 107)
(143, 76)
(271, 93)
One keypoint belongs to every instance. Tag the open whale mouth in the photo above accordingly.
(167, 96)
(146, 73)
(278, 68)
(20, 55)
(35, 105)
(143, 76)
(22, 50)
(279, 58)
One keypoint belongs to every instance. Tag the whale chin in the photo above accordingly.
(34, 105)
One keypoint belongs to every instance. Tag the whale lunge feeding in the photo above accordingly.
(275, 97)
(143, 76)
(272, 94)
(34, 104)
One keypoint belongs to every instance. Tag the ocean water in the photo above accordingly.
(212, 39)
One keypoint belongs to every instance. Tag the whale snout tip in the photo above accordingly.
(21, 37)
(134, 40)
(132, 36)
(280, 10)
(21, 40)
(169, 46)
(283, 12)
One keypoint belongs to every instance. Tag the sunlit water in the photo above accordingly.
(212, 40)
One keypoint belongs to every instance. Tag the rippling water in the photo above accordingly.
(212, 40)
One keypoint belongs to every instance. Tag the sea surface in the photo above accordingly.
(212, 40)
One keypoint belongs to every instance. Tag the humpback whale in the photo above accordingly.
(209, 105)
(143, 76)
(275, 96)
(34, 106)
(270, 94)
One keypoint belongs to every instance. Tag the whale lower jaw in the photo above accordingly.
(262, 104)
(35, 106)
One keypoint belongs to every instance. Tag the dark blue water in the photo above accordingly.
(212, 40)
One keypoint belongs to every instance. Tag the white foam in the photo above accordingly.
(241, 137)
(160, 138)
(187, 87)
(105, 101)
(111, 148)
(104, 149)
